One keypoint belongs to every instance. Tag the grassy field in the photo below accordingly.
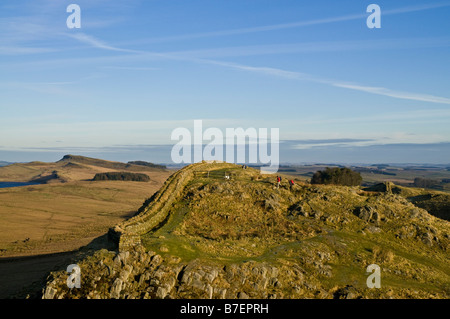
(71, 210)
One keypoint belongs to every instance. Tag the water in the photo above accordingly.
(16, 184)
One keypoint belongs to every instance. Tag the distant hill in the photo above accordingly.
(110, 164)
(69, 168)
(3, 163)
(142, 163)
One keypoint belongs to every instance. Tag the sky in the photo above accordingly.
(115, 88)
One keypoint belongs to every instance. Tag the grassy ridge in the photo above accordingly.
(204, 235)
(249, 218)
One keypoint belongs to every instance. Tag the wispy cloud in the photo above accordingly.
(19, 50)
(310, 143)
(404, 117)
(130, 68)
(416, 8)
(266, 28)
(395, 94)
(276, 72)
(319, 46)
(352, 86)
(297, 24)
(262, 70)
(99, 44)
(96, 43)
(54, 88)
(20, 36)
(351, 139)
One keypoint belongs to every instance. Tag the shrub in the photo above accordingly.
(425, 182)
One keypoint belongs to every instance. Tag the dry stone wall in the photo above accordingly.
(127, 234)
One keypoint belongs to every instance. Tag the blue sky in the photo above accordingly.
(137, 69)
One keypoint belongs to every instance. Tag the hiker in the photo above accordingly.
(278, 181)
(291, 184)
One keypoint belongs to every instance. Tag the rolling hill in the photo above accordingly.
(3, 163)
(68, 209)
(69, 168)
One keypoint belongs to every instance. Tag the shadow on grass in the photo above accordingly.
(25, 277)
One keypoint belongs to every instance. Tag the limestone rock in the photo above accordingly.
(49, 293)
(116, 289)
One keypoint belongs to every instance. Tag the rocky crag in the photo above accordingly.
(206, 235)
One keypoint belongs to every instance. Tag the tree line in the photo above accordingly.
(337, 176)
(121, 176)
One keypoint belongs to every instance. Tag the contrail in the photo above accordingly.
(297, 24)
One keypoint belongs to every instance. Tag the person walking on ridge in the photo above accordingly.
(291, 184)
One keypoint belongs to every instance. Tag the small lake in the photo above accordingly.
(16, 184)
